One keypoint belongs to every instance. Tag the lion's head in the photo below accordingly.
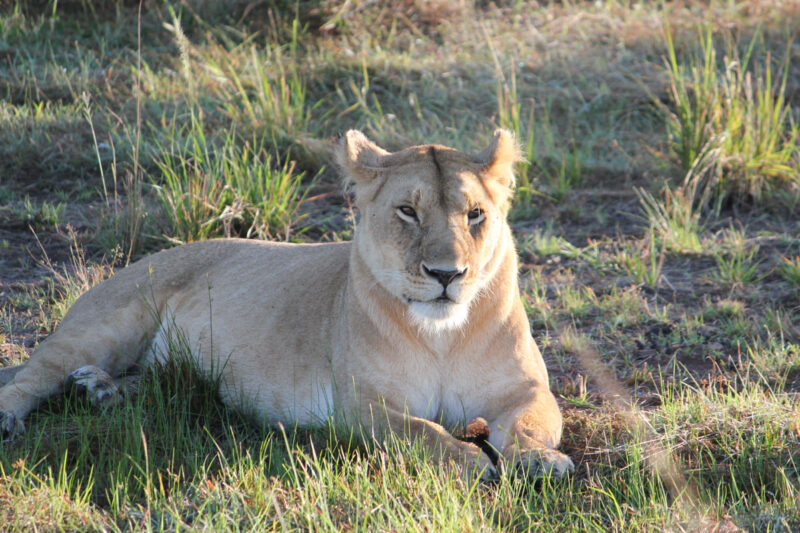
(433, 221)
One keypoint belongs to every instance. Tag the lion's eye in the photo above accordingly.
(407, 212)
(475, 216)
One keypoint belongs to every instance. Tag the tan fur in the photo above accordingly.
(303, 333)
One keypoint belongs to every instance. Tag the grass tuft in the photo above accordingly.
(207, 191)
(543, 243)
(44, 215)
(737, 268)
(674, 219)
(643, 262)
(790, 270)
(731, 127)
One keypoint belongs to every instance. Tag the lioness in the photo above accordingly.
(415, 326)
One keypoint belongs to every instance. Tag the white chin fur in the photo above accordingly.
(434, 317)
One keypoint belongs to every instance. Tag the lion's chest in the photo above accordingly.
(435, 388)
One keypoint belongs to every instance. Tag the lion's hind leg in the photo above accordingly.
(95, 383)
(7, 373)
(100, 338)
(52, 371)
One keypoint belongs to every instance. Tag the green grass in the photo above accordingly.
(173, 457)
(547, 168)
(643, 261)
(44, 215)
(675, 219)
(737, 269)
(730, 126)
(543, 243)
(790, 270)
(662, 237)
(232, 190)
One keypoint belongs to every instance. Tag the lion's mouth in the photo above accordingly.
(441, 299)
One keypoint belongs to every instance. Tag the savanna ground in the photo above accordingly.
(657, 219)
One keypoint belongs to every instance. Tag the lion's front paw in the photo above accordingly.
(96, 383)
(479, 467)
(483, 468)
(543, 462)
(10, 425)
(490, 471)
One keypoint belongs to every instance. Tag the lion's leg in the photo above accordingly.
(527, 437)
(442, 445)
(7, 374)
(106, 333)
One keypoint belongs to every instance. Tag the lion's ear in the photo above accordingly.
(359, 158)
(500, 156)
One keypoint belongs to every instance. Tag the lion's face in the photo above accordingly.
(431, 223)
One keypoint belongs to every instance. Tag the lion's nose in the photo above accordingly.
(445, 277)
